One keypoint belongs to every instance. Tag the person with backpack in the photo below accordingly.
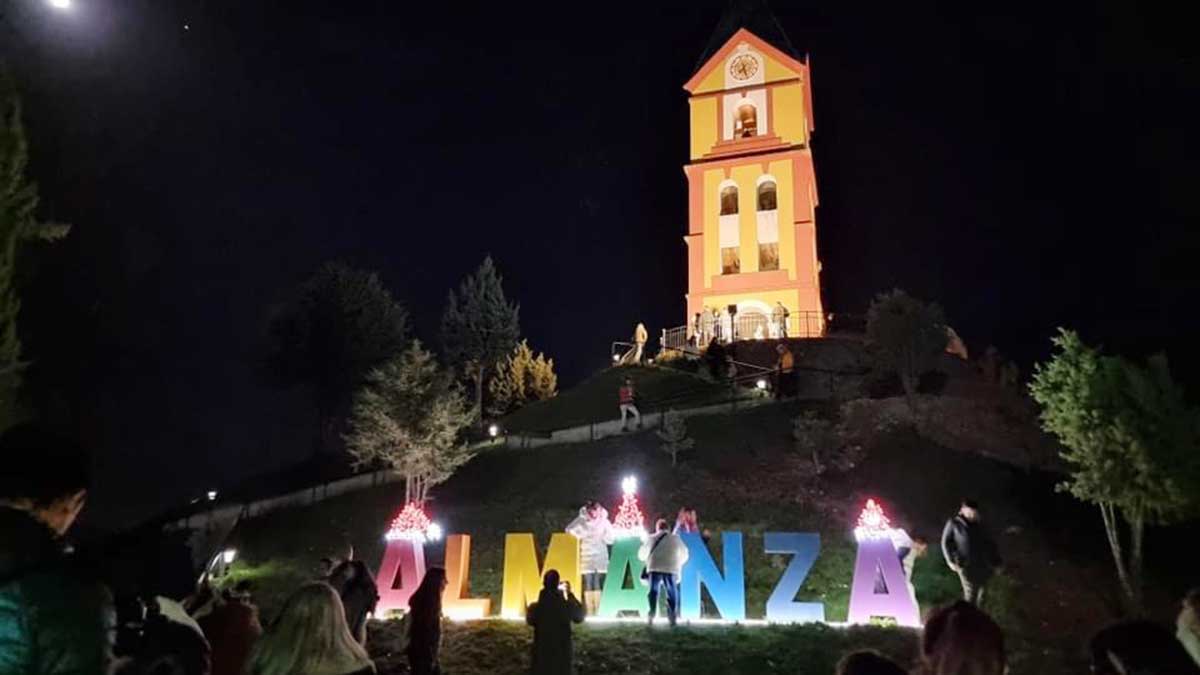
(54, 617)
(665, 555)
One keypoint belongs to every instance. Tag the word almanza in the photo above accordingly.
(879, 586)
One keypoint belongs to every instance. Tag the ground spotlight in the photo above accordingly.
(493, 430)
(228, 555)
(761, 384)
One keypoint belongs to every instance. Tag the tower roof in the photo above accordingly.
(756, 17)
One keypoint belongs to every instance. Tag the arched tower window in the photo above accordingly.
(729, 197)
(730, 231)
(745, 121)
(767, 217)
(766, 195)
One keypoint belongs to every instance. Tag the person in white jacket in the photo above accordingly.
(595, 533)
(665, 554)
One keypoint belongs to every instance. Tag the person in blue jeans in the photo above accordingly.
(665, 555)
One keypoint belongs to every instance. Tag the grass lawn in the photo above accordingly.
(741, 476)
(502, 648)
(595, 399)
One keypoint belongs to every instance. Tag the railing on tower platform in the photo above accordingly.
(744, 326)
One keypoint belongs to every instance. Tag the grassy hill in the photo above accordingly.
(595, 399)
(743, 475)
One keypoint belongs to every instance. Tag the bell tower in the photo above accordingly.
(752, 194)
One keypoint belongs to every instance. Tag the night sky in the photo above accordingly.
(1027, 168)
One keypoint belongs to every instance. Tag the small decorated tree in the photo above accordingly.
(629, 521)
(674, 435)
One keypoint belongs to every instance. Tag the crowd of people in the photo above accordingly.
(58, 618)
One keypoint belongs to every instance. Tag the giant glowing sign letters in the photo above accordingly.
(782, 606)
(728, 591)
(458, 577)
(523, 576)
(616, 597)
(879, 587)
(401, 571)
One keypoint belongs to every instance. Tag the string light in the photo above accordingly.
(629, 521)
(872, 523)
(413, 524)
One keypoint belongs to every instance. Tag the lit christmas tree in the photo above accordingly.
(629, 521)
(413, 524)
(872, 523)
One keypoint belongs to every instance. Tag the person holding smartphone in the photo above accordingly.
(551, 617)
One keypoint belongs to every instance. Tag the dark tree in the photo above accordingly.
(479, 327)
(906, 336)
(340, 325)
(18, 204)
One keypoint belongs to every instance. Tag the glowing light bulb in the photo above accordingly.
(212, 495)
(433, 532)
(761, 384)
(60, 4)
(629, 485)
(493, 431)
(228, 555)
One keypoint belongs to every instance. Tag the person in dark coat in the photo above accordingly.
(551, 617)
(356, 587)
(232, 628)
(425, 623)
(970, 551)
(54, 618)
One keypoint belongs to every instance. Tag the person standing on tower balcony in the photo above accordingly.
(779, 317)
(628, 402)
(717, 332)
(639, 342)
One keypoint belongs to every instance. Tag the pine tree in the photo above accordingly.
(479, 327)
(674, 435)
(18, 205)
(342, 323)
(521, 378)
(409, 416)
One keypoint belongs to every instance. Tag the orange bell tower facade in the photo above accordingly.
(752, 196)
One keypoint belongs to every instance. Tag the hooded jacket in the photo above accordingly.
(594, 535)
(52, 620)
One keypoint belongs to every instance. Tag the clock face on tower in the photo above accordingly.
(743, 67)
